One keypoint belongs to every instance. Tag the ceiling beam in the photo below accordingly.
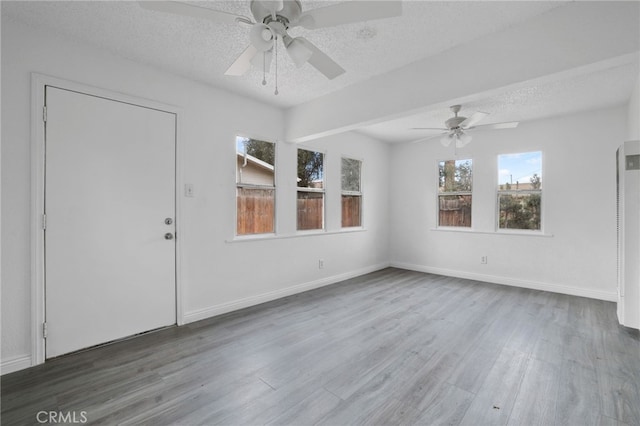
(570, 37)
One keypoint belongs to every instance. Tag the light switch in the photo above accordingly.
(633, 162)
(188, 190)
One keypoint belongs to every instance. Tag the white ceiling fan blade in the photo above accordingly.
(178, 8)
(429, 128)
(320, 61)
(509, 125)
(349, 12)
(242, 64)
(262, 61)
(429, 138)
(297, 50)
(475, 118)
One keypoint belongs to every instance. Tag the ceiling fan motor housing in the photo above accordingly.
(290, 12)
(454, 122)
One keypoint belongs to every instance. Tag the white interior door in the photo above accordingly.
(109, 190)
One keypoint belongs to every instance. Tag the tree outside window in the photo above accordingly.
(310, 204)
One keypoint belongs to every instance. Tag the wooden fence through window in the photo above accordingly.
(455, 210)
(351, 214)
(255, 209)
(310, 210)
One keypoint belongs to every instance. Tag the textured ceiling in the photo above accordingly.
(598, 89)
(202, 51)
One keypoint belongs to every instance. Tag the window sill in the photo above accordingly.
(498, 232)
(299, 234)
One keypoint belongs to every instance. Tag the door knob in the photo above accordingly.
(168, 221)
(168, 236)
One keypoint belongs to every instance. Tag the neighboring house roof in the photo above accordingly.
(256, 161)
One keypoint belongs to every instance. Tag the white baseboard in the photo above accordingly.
(15, 364)
(235, 305)
(494, 279)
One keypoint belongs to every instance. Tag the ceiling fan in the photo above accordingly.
(271, 21)
(456, 127)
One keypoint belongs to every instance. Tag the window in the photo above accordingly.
(454, 193)
(310, 190)
(351, 193)
(255, 186)
(520, 191)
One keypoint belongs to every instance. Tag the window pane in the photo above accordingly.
(255, 162)
(310, 169)
(255, 203)
(520, 211)
(520, 190)
(455, 175)
(520, 172)
(455, 210)
(255, 210)
(310, 210)
(350, 175)
(454, 188)
(351, 210)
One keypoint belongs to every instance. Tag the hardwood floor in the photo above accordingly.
(391, 347)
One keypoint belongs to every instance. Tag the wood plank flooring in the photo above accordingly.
(391, 347)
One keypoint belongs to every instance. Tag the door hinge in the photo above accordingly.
(44, 222)
(45, 331)
(44, 113)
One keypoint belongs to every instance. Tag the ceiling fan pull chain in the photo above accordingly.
(275, 42)
(264, 68)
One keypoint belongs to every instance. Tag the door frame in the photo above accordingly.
(38, 85)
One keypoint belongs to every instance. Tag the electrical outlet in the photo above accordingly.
(321, 264)
(483, 260)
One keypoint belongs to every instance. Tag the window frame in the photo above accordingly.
(540, 191)
(239, 185)
(349, 193)
(454, 193)
(322, 191)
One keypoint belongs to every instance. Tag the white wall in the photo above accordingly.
(578, 255)
(633, 114)
(216, 276)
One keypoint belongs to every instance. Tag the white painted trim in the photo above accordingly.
(235, 305)
(298, 234)
(514, 282)
(516, 232)
(15, 364)
(38, 83)
(179, 229)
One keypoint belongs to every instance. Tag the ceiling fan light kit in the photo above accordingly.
(272, 20)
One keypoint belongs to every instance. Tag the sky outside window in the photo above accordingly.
(520, 167)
